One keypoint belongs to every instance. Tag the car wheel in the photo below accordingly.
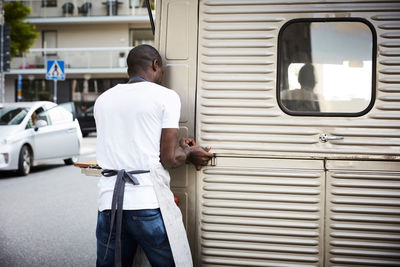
(71, 161)
(25, 161)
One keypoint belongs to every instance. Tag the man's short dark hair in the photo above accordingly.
(306, 76)
(141, 57)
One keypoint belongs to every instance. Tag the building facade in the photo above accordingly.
(92, 37)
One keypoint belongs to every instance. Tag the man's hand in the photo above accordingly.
(186, 142)
(199, 156)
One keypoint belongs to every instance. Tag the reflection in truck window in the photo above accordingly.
(333, 60)
(302, 98)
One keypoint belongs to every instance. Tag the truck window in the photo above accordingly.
(326, 67)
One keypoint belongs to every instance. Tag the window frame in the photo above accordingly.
(43, 41)
(46, 3)
(326, 114)
(131, 30)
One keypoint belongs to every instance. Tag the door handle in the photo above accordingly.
(325, 138)
(71, 130)
(213, 161)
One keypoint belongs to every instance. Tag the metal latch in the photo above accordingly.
(325, 138)
(213, 161)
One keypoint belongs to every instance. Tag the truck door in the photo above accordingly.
(300, 102)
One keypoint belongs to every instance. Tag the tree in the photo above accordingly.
(23, 34)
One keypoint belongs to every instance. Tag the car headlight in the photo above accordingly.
(3, 141)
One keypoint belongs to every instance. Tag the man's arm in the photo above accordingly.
(173, 155)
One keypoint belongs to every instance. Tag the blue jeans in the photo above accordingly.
(139, 227)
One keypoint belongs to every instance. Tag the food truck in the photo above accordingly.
(300, 102)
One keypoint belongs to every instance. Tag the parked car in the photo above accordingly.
(32, 132)
(84, 115)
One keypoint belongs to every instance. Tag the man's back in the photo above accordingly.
(129, 120)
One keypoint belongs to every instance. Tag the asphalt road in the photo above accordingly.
(48, 218)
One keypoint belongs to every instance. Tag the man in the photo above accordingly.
(137, 139)
(303, 99)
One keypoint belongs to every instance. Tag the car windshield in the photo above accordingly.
(12, 115)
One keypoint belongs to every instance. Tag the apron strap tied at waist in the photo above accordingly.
(117, 206)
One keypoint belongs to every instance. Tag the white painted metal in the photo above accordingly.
(363, 215)
(277, 195)
(176, 39)
(261, 212)
(237, 83)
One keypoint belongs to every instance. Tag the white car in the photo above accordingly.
(32, 132)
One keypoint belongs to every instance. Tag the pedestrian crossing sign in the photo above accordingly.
(55, 70)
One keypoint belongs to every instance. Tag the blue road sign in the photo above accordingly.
(55, 70)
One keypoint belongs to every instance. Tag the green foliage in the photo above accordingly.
(23, 34)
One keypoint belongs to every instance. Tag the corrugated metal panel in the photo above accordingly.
(257, 7)
(259, 215)
(363, 215)
(263, 214)
(237, 83)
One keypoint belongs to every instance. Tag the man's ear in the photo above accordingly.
(155, 65)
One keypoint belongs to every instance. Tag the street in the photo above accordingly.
(48, 218)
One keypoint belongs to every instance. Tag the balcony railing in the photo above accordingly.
(83, 8)
(75, 58)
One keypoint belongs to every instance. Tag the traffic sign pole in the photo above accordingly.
(55, 92)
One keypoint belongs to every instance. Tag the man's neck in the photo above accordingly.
(135, 79)
(143, 75)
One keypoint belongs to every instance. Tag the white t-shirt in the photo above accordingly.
(129, 120)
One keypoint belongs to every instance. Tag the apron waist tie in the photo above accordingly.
(117, 205)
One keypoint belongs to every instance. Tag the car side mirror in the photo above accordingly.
(40, 124)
